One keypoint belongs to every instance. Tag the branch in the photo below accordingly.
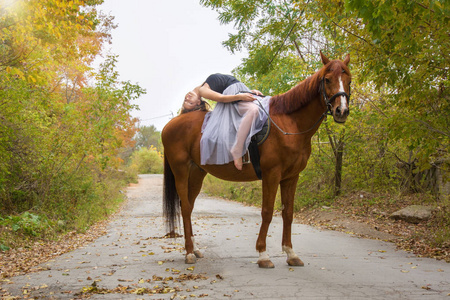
(447, 134)
(424, 6)
(330, 138)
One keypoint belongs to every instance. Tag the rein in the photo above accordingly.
(327, 101)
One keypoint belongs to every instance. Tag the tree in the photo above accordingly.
(400, 57)
(148, 136)
(60, 134)
(404, 51)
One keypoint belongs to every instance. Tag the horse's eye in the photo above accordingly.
(327, 80)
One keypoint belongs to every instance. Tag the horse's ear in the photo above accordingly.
(325, 59)
(347, 59)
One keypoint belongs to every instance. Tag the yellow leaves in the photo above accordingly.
(15, 71)
(31, 79)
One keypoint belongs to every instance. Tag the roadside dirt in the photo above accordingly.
(372, 221)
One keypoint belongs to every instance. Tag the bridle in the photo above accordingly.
(326, 100)
(330, 100)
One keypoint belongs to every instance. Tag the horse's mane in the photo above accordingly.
(298, 96)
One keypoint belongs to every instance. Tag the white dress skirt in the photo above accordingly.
(220, 127)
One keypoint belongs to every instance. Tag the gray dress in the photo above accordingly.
(220, 127)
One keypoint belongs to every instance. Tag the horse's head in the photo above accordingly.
(335, 87)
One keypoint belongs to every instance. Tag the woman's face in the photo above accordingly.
(191, 100)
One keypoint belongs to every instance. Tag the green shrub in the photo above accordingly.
(27, 223)
(147, 161)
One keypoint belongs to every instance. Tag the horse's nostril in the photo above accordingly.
(338, 110)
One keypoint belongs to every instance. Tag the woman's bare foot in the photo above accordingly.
(237, 158)
(238, 163)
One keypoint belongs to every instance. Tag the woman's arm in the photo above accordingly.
(206, 92)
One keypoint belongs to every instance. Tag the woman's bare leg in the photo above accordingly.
(250, 112)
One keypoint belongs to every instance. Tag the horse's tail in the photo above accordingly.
(171, 201)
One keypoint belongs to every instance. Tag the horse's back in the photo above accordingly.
(181, 136)
(187, 125)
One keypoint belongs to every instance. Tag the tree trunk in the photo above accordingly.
(338, 153)
(337, 144)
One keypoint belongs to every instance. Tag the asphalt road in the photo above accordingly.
(133, 261)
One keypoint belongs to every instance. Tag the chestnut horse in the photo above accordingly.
(297, 115)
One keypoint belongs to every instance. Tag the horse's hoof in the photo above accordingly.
(198, 254)
(266, 264)
(295, 262)
(190, 258)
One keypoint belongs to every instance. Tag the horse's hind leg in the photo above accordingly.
(189, 179)
(181, 172)
(287, 199)
(196, 176)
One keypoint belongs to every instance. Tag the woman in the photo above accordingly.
(193, 103)
(227, 130)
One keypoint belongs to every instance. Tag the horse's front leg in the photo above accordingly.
(270, 186)
(288, 188)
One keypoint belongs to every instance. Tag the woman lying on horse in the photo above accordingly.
(227, 129)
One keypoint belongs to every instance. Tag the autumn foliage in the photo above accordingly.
(62, 124)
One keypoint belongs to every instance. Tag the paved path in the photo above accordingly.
(132, 261)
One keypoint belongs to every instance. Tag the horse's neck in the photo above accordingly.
(308, 117)
(307, 106)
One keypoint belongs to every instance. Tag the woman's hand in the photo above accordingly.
(257, 92)
(245, 97)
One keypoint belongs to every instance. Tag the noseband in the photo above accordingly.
(330, 100)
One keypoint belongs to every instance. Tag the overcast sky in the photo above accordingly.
(167, 47)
